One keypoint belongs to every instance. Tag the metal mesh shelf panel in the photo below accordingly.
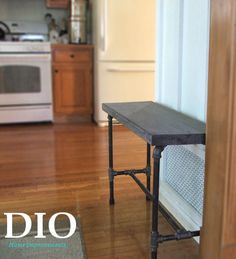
(184, 172)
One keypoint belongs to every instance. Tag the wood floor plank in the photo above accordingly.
(54, 168)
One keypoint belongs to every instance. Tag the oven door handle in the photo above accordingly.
(25, 57)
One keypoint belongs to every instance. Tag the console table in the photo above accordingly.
(159, 126)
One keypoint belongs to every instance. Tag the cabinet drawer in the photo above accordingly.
(72, 56)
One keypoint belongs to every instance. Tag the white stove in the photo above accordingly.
(26, 31)
(25, 82)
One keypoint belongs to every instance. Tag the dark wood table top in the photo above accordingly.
(157, 124)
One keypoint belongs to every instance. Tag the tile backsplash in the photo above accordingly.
(28, 10)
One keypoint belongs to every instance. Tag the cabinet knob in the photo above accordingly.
(56, 71)
(72, 55)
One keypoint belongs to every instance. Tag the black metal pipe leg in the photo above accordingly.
(111, 185)
(110, 151)
(148, 168)
(156, 178)
(148, 186)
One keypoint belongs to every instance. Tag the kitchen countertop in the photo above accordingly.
(72, 46)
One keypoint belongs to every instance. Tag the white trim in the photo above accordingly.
(159, 54)
(180, 62)
(207, 59)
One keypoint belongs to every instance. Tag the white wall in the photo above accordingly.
(28, 10)
(195, 58)
(169, 50)
(182, 55)
(181, 79)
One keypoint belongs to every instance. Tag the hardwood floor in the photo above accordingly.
(53, 168)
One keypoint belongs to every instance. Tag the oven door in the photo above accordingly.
(25, 79)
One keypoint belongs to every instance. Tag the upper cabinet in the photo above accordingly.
(57, 3)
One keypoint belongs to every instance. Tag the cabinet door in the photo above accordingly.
(73, 89)
(57, 3)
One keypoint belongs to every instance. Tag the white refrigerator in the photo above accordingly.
(124, 63)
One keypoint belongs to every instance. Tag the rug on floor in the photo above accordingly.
(50, 247)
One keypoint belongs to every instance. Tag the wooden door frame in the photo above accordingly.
(218, 234)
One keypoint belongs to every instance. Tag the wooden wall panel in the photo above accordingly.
(218, 235)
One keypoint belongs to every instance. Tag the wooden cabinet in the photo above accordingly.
(57, 3)
(72, 79)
